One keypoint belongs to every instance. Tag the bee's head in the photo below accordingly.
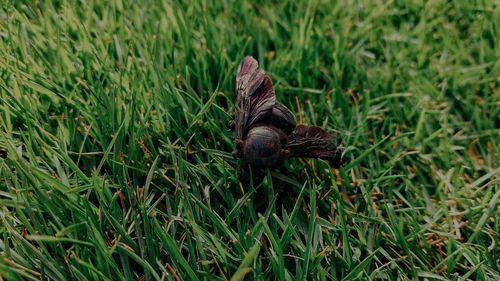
(262, 147)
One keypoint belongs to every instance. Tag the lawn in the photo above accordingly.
(115, 154)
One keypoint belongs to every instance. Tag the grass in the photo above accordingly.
(115, 158)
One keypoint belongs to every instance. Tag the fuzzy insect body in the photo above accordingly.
(266, 131)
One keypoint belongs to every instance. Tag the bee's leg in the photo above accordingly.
(243, 174)
(285, 153)
(238, 144)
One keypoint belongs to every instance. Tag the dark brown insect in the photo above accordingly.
(266, 132)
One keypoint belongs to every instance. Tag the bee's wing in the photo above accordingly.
(255, 97)
(312, 141)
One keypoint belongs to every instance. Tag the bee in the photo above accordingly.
(266, 132)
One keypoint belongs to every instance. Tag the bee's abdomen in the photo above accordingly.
(262, 147)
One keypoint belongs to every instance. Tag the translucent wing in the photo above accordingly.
(312, 141)
(255, 96)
